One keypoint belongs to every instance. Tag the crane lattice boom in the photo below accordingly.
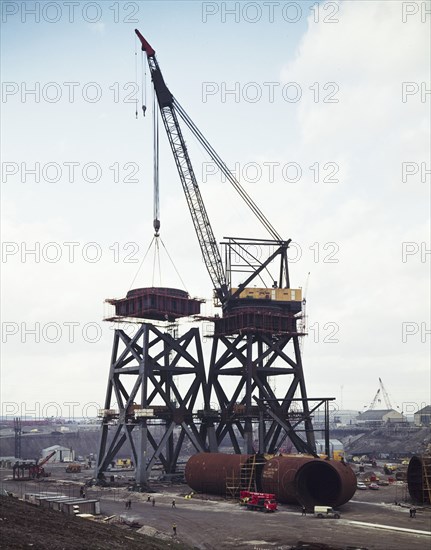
(374, 401)
(169, 107)
(385, 395)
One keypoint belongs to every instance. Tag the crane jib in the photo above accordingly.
(169, 108)
(164, 96)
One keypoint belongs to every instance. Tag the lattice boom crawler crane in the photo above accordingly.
(255, 339)
(258, 324)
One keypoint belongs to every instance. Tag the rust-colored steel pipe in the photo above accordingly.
(309, 481)
(415, 479)
(214, 472)
(293, 479)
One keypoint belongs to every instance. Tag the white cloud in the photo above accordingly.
(370, 132)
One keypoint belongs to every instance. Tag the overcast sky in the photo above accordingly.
(323, 111)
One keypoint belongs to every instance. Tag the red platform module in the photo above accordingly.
(161, 304)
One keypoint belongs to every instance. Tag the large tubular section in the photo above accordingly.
(293, 479)
(309, 481)
(214, 472)
(418, 473)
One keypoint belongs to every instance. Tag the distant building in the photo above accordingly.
(63, 454)
(423, 417)
(337, 418)
(336, 448)
(375, 418)
(344, 417)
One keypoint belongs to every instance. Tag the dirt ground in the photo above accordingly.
(26, 526)
(371, 521)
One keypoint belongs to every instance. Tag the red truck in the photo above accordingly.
(264, 502)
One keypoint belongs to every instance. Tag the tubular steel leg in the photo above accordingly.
(141, 474)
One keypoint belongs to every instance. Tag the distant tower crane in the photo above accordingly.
(374, 401)
(385, 395)
(381, 391)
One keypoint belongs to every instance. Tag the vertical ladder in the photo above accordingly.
(233, 487)
(250, 478)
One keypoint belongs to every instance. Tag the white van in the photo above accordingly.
(325, 512)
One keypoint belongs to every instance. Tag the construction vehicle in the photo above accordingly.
(25, 471)
(325, 512)
(73, 468)
(124, 463)
(389, 468)
(263, 502)
(45, 460)
(339, 455)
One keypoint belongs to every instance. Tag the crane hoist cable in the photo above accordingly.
(156, 197)
(142, 263)
(153, 242)
(156, 240)
(173, 264)
(136, 77)
(156, 194)
(203, 229)
(143, 84)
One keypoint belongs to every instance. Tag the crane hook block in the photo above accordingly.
(145, 46)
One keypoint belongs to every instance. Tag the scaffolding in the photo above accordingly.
(247, 479)
(248, 475)
(233, 486)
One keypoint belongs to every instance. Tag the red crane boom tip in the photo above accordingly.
(145, 46)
